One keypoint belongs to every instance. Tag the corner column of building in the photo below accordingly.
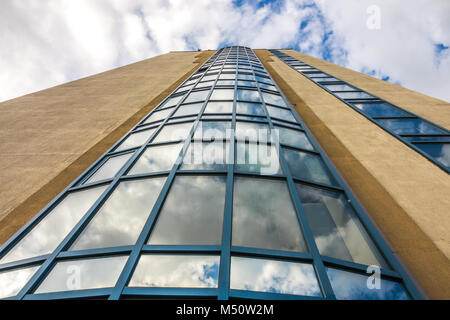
(404, 193)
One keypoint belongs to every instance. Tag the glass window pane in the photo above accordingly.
(206, 156)
(260, 158)
(227, 76)
(250, 108)
(54, 227)
(248, 95)
(195, 96)
(159, 115)
(264, 217)
(353, 286)
(273, 99)
(188, 109)
(174, 132)
(121, 218)
(353, 95)
(171, 102)
(12, 281)
(204, 84)
(225, 82)
(273, 276)
(336, 228)
(252, 131)
(294, 138)
(136, 139)
(246, 77)
(409, 126)
(280, 113)
(213, 130)
(157, 158)
(109, 168)
(90, 274)
(267, 86)
(219, 107)
(209, 77)
(181, 271)
(380, 110)
(339, 87)
(192, 212)
(325, 79)
(222, 94)
(307, 166)
(439, 151)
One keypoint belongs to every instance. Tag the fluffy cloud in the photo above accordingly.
(51, 42)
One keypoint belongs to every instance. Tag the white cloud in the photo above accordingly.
(51, 42)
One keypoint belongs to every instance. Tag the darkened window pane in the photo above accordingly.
(307, 166)
(336, 228)
(273, 276)
(181, 271)
(213, 130)
(12, 281)
(222, 94)
(159, 115)
(188, 109)
(440, 152)
(280, 113)
(54, 227)
(353, 286)
(252, 131)
(206, 156)
(157, 158)
(219, 107)
(136, 139)
(294, 138)
(192, 212)
(263, 215)
(259, 158)
(248, 95)
(121, 218)
(195, 96)
(93, 273)
(173, 132)
(273, 99)
(409, 126)
(109, 168)
(380, 110)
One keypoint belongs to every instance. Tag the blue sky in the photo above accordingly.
(46, 43)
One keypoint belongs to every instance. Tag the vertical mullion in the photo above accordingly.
(307, 233)
(135, 254)
(225, 255)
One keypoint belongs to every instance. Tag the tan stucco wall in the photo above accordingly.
(405, 194)
(425, 106)
(50, 137)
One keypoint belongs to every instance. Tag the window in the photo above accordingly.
(136, 139)
(339, 87)
(206, 156)
(439, 151)
(353, 95)
(349, 285)
(54, 227)
(109, 168)
(159, 115)
(409, 126)
(173, 132)
(121, 218)
(250, 108)
(213, 130)
(173, 101)
(181, 271)
(93, 273)
(280, 113)
(273, 276)
(222, 94)
(219, 107)
(294, 138)
(306, 166)
(380, 110)
(259, 158)
(273, 99)
(263, 216)
(192, 213)
(12, 281)
(188, 109)
(248, 95)
(335, 227)
(195, 96)
(252, 131)
(157, 158)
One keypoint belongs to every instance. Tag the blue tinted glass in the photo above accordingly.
(428, 138)
(250, 108)
(439, 151)
(409, 126)
(348, 286)
(380, 110)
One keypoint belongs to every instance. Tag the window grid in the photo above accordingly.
(441, 136)
(225, 250)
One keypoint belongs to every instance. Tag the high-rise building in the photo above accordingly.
(235, 173)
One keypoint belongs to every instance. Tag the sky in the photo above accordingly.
(46, 43)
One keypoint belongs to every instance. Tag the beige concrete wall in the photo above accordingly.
(49, 137)
(425, 106)
(404, 193)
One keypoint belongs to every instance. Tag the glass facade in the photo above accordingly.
(422, 135)
(219, 192)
